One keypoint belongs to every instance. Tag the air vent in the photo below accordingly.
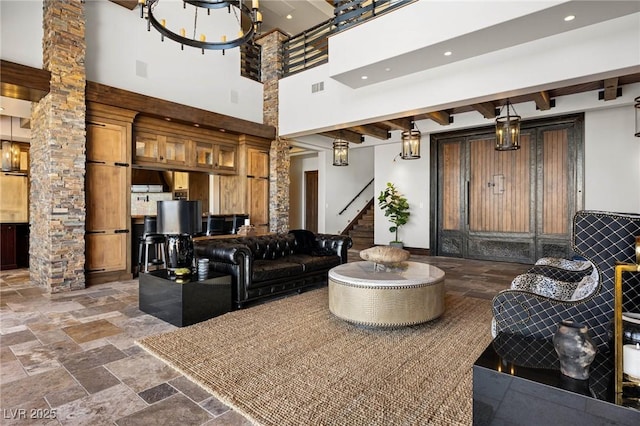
(317, 87)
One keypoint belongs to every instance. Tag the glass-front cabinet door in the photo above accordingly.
(204, 155)
(147, 147)
(177, 150)
(226, 158)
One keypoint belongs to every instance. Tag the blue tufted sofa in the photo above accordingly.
(268, 265)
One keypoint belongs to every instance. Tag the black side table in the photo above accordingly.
(184, 303)
(517, 380)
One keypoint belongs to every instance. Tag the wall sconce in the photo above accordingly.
(637, 109)
(10, 154)
(340, 152)
(508, 130)
(411, 143)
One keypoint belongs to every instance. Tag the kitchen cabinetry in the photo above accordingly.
(219, 158)
(258, 187)
(8, 259)
(14, 245)
(194, 186)
(107, 183)
(249, 190)
(162, 144)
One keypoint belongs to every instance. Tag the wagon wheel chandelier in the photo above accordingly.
(248, 23)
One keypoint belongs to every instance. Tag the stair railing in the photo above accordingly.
(359, 216)
(354, 198)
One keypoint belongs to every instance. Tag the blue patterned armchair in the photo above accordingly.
(602, 238)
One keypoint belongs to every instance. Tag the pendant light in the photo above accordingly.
(508, 130)
(411, 143)
(10, 153)
(340, 152)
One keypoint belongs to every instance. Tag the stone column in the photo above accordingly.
(57, 198)
(279, 161)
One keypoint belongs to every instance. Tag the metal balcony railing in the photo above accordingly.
(311, 47)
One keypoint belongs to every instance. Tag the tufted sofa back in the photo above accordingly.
(267, 247)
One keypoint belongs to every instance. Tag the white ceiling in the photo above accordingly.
(304, 14)
(533, 26)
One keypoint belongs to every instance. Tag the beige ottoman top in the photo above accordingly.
(368, 274)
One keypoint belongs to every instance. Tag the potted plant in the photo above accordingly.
(396, 208)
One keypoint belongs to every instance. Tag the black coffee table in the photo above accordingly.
(184, 303)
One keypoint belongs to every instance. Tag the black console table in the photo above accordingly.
(184, 302)
(517, 380)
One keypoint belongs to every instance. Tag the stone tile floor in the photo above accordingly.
(71, 358)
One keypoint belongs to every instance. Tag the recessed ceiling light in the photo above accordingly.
(448, 53)
(569, 18)
(167, 118)
(289, 16)
(196, 125)
(387, 69)
(364, 77)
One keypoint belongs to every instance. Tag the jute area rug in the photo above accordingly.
(291, 362)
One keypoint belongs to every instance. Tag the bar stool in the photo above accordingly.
(151, 239)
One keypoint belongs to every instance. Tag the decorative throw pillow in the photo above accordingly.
(570, 265)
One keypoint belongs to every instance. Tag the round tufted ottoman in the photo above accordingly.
(372, 294)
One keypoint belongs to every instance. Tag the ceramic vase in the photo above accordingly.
(575, 349)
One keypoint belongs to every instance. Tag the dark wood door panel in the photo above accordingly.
(514, 205)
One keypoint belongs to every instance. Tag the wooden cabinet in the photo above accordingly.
(216, 158)
(107, 185)
(161, 144)
(225, 158)
(196, 186)
(14, 245)
(180, 180)
(8, 258)
(162, 149)
(258, 187)
(248, 191)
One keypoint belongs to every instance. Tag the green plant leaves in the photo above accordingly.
(395, 207)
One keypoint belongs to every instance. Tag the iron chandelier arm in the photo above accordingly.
(246, 13)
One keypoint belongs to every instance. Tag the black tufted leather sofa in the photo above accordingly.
(267, 265)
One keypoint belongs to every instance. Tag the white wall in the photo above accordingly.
(297, 205)
(123, 54)
(612, 180)
(585, 54)
(338, 185)
(411, 178)
(21, 32)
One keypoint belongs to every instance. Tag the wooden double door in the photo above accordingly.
(508, 205)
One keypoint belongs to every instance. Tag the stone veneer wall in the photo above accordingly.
(279, 159)
(57, 198)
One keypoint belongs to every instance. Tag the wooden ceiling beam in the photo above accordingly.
(610, 89)
(129, 4)
(23, 82)
(373, 131)
(542, 100)
(443, 118)
(487, 109)
(347, 135)
(161, 108)
(398, 124)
